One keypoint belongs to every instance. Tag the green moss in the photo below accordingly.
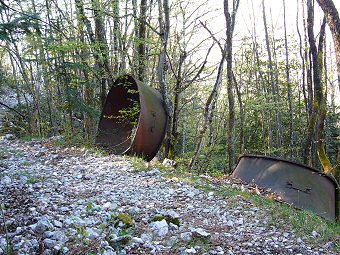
(157, 218)
(125, 218)
(204, 243)
(168, 219)
(31, 179)
(26, 163)
(119, 242)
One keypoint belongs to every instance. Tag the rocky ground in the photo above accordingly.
(72, 201)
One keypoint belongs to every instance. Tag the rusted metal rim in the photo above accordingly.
(133, 120)
(318, 171)
(302, 186)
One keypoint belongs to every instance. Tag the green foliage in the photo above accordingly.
(139, 164)
(204, 243)
(125, 219)
(14, 124)
(24, 24)
(332, 135)
(5, 153)
(168, 219)
(89, 208)
(31, 179)
(130, 114)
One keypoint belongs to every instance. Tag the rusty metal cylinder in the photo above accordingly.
(133, 119)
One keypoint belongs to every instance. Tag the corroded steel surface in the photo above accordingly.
(133, 119)
(297, 184)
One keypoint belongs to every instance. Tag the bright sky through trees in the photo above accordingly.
(249, 17)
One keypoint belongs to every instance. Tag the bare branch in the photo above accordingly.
(213, 37)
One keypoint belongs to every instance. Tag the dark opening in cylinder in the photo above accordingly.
(133, 119)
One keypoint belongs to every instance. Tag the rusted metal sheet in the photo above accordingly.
(297, 184)
(133, 119)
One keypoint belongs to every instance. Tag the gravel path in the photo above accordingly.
(71, 201)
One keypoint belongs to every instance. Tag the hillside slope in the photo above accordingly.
(72, 201)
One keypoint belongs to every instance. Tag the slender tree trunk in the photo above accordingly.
(207, 112)
(272, 80)
(175, 113)
(242, 114)
(317, 77)
(289, 88)
(308, 67)
(301, 51)
(141, 41)
(116, 38)
(333, 21)
(266, 126)
(164, 30)
(230, 23)
(88, 93)
(99, 43)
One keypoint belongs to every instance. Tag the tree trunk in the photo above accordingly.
(289, 89)
(333, 21)
(141, 57)
(242, 115)
(319, 109)
(175, 113)
(164, 29)
(116, 38)
(99, 43)
(266, 126)
(272, 80)
(230, 24)
(207, 112)
(301, 51)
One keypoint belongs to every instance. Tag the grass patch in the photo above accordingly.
(168, 219)
(203, 243)
(31, 179)
(26, 163)
(6, 153)
(139, 165)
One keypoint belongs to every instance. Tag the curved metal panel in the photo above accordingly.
(133, 120)
(297, 184)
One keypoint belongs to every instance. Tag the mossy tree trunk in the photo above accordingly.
(316, 122)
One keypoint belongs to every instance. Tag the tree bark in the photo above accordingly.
(230, 24)
(164, 30)
(116, 38)
(141, 41)
(272, 80)
(207, 111)
(242, 115)
(319, 109)
(175, 113)
(301, 51)
(333, 21)
(289, 88)
(98, 40)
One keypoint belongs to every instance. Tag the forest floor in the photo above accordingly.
(68, 200)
